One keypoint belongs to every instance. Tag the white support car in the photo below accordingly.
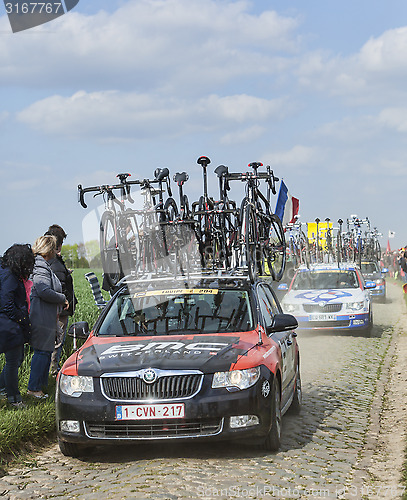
(328, 296)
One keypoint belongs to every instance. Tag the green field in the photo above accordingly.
(36, 423)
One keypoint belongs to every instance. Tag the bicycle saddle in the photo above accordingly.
(255, 165)
(122, 177)
(221, 170)
(203, 161)
(181, 177)
(161, 173)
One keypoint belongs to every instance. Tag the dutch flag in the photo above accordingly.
(287, 206)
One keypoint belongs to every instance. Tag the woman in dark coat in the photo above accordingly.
(15, 268)
(47, 301)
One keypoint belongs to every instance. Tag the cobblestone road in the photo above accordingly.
(318, 458)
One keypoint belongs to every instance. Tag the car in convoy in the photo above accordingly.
(371, 271)
(330, 296)
(214, 358)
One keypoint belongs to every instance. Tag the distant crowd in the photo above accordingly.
(36, 300)
(396, 262)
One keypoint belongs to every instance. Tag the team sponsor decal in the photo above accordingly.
(177, 291)
(139, 348)
(270, 351)
(265, 389)
(323, 296)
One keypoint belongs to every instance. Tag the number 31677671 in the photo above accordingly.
(34, 8)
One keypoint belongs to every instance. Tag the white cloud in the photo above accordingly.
(374, 75)
(394, 118)
(243, 136)
(116, 115)
(297, 156)
(169, 44)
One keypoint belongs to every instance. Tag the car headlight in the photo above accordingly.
(291, 308)
(242, 379)
(75, 385)
(355, 306)
(380, 281)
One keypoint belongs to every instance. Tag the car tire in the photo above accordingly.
(369, 326)
(71, 449)
(273, 439)
(296, 403)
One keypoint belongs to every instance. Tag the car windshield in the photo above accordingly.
(178, 311)
(320, 280)
(369, 267)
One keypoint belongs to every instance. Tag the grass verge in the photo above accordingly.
(21, 430)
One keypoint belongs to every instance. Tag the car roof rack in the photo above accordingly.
(204, 274)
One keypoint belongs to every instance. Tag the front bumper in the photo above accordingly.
(379, 291)
(207, 416)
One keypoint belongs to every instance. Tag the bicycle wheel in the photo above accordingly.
(294, 255)
(305, 257)
(359, 250)
(128, 240)
(274, 248)
(378, 251)
(205, 220)
(167, 218)
(170, 210)
(250, 232)
(339, 252)
(109, 249)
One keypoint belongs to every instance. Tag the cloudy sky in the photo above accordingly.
(316, 89)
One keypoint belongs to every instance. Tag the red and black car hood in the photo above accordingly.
(208, 353)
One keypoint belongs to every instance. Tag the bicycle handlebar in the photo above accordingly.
(103, 189)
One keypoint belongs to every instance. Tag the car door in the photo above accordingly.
(286, 341)
(268, 308)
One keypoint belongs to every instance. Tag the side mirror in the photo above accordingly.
(370, 284)
(79, 330)
(282, 286)
(282, 323)
(385, 270)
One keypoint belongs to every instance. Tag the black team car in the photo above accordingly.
(371, 271)
(214, 358)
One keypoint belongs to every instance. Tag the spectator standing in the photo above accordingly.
(47, 301)
(65, 277)
(15, 268)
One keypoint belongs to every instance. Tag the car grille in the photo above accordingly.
(149, 430)
(166, 387)
(328, 308)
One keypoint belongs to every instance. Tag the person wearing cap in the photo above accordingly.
(65, 277)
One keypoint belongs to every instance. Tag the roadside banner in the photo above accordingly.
(287, 206)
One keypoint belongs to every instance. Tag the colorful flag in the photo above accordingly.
(287, 206)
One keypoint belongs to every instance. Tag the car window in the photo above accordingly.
(178, 311)
(369, 267)
(268, 306)
(320, 280)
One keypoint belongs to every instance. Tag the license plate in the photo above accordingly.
(322, 317)
(150, 412)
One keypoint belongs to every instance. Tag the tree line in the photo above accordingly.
(81, 255)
